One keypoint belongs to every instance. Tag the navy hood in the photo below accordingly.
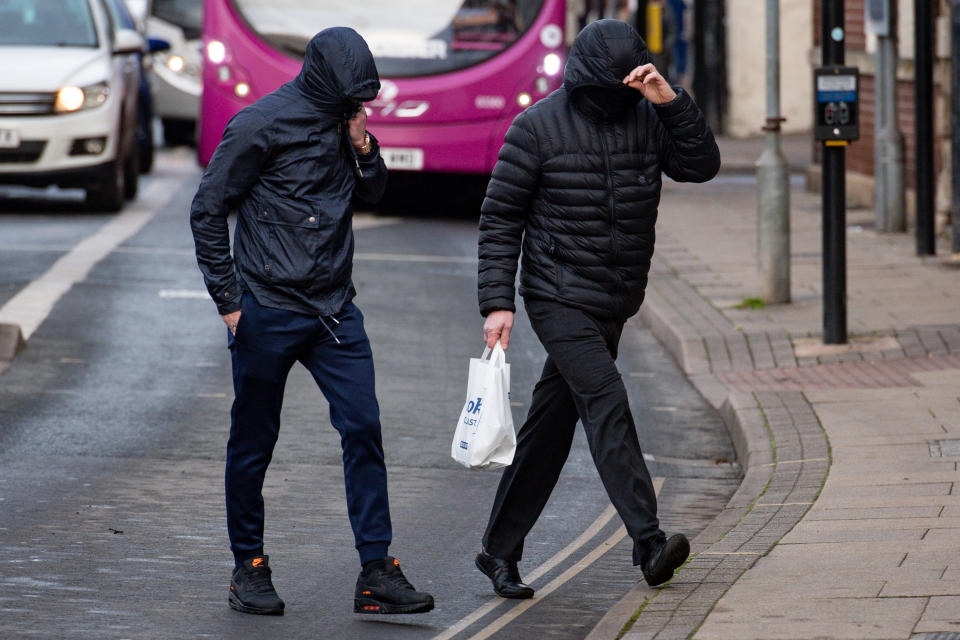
(338, 70)
(602, 55)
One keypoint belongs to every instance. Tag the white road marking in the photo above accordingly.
(370, 221)
(32, 304)
(411, 257)
(195, 294)
(554, 584)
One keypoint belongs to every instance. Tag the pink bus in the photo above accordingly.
(454, 73)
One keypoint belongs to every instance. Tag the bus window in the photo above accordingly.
(186, 14)
(410, 38)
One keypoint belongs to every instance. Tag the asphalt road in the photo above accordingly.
(113, 426)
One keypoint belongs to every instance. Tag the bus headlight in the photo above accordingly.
(242, 89)
(216, 51)
(74, 98)
(551, 64)
(524, 99)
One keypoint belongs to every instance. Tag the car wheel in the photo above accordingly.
(131, 178)
(108, 194)
(146, 151)
(177, 132)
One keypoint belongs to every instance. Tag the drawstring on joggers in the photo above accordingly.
(327, 327)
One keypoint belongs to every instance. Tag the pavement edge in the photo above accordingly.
(785, 456)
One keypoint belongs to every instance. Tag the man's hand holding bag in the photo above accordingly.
(485, 437)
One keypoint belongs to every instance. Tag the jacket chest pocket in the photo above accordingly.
(295, 244)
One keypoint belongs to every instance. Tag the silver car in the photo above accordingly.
(177, 79)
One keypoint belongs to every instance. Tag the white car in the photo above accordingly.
(68, 99)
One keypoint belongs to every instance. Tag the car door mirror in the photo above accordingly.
(156, 45)
(128, 41)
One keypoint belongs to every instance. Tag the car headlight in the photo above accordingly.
(181, 66)
(75, 99)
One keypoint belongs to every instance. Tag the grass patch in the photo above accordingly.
(632, 620)
(751, 303)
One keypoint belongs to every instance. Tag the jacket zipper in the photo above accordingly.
(353, 152)
(615, 250)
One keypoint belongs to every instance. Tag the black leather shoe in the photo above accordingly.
(251, 589)
(504, 575)
(663, 558)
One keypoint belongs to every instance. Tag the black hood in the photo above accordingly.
(601, 56)
(338, 69)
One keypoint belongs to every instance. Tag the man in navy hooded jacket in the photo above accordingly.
(289, 166)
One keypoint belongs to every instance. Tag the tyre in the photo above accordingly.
(131, 174)
(178, 132)
(108, 195)
(146, 150)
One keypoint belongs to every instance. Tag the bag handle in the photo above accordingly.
(497, 355)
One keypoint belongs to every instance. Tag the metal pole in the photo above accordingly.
(889, 203)
(834, 195)
(923, 109)
(709, 74)
(641, 18)
(955, 121)
(773, 181)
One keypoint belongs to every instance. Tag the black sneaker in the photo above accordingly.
(251, 590)
(663, 558)
(382, 588)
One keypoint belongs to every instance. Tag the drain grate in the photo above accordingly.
(945, 448)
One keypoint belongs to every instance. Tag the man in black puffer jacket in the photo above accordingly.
(577, 185)
(289, 165)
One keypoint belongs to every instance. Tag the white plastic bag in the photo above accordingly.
(484, 437)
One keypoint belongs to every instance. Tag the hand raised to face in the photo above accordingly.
(648, 81)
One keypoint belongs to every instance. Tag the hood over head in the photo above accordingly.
(603, 54)
(338, 71)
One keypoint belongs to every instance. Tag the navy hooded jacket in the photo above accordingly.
(287, 167)
(577, 183)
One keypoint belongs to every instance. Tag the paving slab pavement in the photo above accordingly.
(847, 523)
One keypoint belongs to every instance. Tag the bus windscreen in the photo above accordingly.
(186, 14)
(408, 38)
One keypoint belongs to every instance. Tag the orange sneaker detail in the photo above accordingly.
(257, 562)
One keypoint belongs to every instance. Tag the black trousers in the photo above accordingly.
(579, 380)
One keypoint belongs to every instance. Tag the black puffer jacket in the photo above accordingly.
(577, 183)
(287, 167)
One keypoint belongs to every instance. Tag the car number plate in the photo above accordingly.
(397, 158)
(9, 139)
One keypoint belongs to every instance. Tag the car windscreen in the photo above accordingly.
(186, 14)
(407, 37)
(46, 23)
